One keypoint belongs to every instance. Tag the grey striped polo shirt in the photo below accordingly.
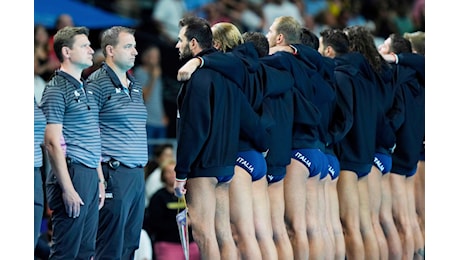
(66, 102)
(122, 117)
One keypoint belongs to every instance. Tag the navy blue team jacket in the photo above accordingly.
(305, 132)
(208, 124)
(269, 91)
(356, 97)
(410, 136)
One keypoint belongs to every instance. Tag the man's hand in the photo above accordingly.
(390, 58)
(72, 203)
(179, 188)
(186, 71)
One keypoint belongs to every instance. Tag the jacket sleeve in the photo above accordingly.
(415, 61)
(254, 127)
(227, 64)
(342, 118)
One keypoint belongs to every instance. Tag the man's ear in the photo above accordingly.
(193, 43)
(65, 52)
(329, 51)
(109, 50)
(217, 44)
(280, 38)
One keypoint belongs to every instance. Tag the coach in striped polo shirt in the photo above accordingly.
(74, 146)
(122, 121)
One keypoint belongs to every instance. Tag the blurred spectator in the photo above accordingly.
(275, 8)
(126, 8)
(62, 21)
(149, 33)
(160, 219)
(149, 75)
(383, 24)
(216, 12)
(351, 15)
(162, 153)
(402, 19)
(314, 7)
(168, 13)
(322, 21)
(39, 83)
(145, 251)
(44, 65)
(196, 6)
(247, 15)
(418, 15)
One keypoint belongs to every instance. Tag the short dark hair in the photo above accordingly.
(259, 40)
(65, 37)
(307, 37)
(399, 44)
(110, 36)
(198, 28)
(337, 39)
(289, 27)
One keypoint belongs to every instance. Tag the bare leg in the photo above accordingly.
(228, 249)
(419, 244)
(420, 195)
(400, 211)
(262, 219)
(375, 202)
(371, 245)
(333, 200)
(241, 212)
(201, 203)
(347, 190)
(388, 223)
(314, 224)
(280, 235)
(325, 218)
(295, 202)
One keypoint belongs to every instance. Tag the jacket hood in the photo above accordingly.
(247, 53)
(353, 63)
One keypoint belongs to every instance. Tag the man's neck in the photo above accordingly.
(72, 70)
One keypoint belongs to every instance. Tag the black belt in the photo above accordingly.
(114, 164)
(70, 161)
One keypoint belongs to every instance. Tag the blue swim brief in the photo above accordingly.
(313, 159)
(222, 179)
(253, 162)
(383, 162)
(333, 166)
